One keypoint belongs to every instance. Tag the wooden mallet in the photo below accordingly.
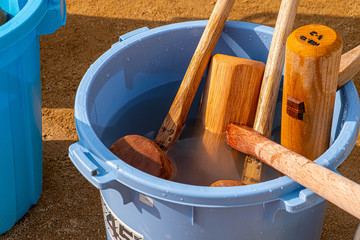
(149, 156)
(230, 94)
(313, 55)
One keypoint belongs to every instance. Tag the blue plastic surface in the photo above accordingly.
(145, 70)
(20, 103)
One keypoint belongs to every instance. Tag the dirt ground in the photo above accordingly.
(69, 207)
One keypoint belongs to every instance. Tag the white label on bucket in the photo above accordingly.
(145, 199)
(117, 229)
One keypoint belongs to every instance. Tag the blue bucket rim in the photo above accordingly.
(202, 195)
(25, 21)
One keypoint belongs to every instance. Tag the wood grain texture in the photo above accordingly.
(175, 119)
(271, 83)
(312, 62)
(349, 66)
(230, 94)
(339, 190)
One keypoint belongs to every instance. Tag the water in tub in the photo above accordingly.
(144, 115)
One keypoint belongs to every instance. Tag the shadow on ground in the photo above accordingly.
(68, 53)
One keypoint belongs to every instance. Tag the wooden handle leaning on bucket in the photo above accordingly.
(271, 83)
(349, 66)
(175, 119)
(337, 189)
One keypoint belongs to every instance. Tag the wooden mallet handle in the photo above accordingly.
(313, 55)
(271, 83)
(175, 119)
(349, 66)
(337, 189)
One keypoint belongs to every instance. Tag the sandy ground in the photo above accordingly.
(69, 207)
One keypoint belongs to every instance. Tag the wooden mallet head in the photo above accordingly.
(230, 94)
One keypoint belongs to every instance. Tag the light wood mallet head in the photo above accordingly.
(230, 94)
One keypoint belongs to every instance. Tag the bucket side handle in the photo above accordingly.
(293, 203)
(132, 33)
(54, 18)
(86, 164)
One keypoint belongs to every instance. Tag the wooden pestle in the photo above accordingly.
(313, 55)
(149, 156)
(339, 190)
(270, 84)
(230, 94)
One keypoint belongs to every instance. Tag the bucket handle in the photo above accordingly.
(86, 164)
(293, 203)
(54, 18)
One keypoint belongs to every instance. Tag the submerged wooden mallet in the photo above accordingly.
(149, 156)
(339, 190)
(230, 94)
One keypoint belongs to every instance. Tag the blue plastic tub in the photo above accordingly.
(20, 103)
(129, 90)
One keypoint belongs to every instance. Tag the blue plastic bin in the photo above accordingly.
(129, 90)
(20, 103)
